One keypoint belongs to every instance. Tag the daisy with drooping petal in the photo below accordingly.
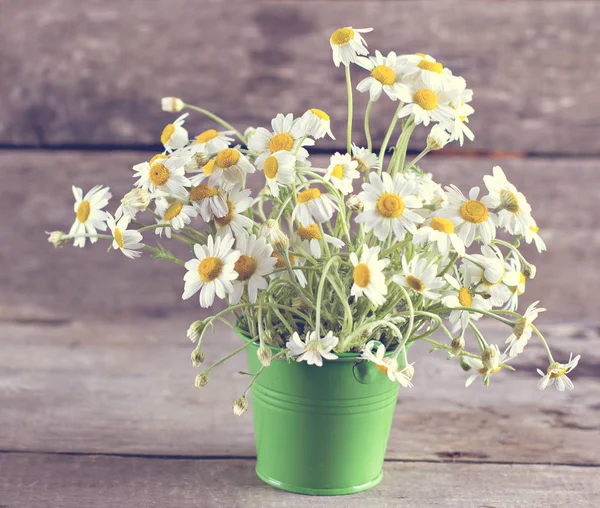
(313, 207)
(439, 232)
(486, 366)
(557, 372)
(127, 241)
(211, 141)
(368, 276)
(472, 217)
(438, 137)
(279, 169)
(420, 278)
(366, 159)
(532, 235)
(89, 216)
(522, 331)
(385, 76)
(388, 365)
(316, 123)
(461, 295)
(426, 69)
(347, 44)
(208, 201)
(136, 200)
(203, 173)
(515, 265)
(174, 134)
(462, 111)
(173, 215)
(230, 168)
(427, 105)
(254, 263)
(155, 176)
(233, 222)
(387, 206)
(313, 349)
(212, 271)
(310, 240)
(341, 172)
(294, 261)
(514, 212)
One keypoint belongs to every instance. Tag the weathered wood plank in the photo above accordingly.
(127, 387)
(75, 481)
(50, 284)
(94, 72)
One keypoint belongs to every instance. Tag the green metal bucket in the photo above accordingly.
(321, 430)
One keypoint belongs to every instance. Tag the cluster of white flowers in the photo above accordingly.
(366, 253)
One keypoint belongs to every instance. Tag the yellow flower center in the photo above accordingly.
(390, 205)
(474, 211)
(119, 238)
(173, 211)
(426, 98)
(309, 232)
(464, 297)
(414, 283)
(509, 201)
(308, 195)
(206, 136)
(245, 266)
(342, 36)
(281, 141)
(384, 74)
(227, 158)
(271, 167)
(209, 269)
(521, 286)
(483, 371)
(426, 65)
(319, 114)
(281, 261)
(167, 133)
(203, 191)
(210, 166)
(442, 225)
(83, 211)
(338, 171)
(361, 165)
(157, 157)
(556, 370)
(362, 275)
(381, 368)
(534, 229)
(159, 174)
(226, 219)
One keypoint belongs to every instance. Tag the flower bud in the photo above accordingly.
(274, 235)
(437, 138)
(529, 271)
(240, 406)
(136, 200)
(171, 104)
(202, 379)
(458, 344)
(409, 371)
(464, 365)
(490, 357)
(249, 133)
(354, 203)
(264, 355)
(57, 238)
(197, 357)
(194, 332)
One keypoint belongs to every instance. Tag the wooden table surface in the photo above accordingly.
(97, 400)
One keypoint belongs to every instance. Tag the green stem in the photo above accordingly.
(387, 137)
(367, 126)
(349, 92)
(320, 294)
(219, 120)
(546, 347)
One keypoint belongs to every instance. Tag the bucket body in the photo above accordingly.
(321, 430)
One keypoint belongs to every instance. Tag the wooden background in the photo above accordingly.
(97, 403)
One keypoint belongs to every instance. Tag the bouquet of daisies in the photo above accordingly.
(365, 253)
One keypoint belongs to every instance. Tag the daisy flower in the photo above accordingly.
(316, 123)
(155, 175)
(388, 202)
(310, 240)
(440, 233)
(287, 135)
(471, 217)
(463, 296)
(514, 212)
(234, 222)
(208, 201)
(341, 172)
(385, 76)
(174, 134)
(212, 271)
(205, 172)
(211, 141)
(426, 69)
(518, 289)
(89, 216)
(127, 241)
(174, 215)
(437, 138)
(279, 169)
(368, 276)
(230, 166)
(294, 261)
(313, 207)
(254, 263)
(531, 235)
(313, 349)
(136, 200)
(365, 158)
(427, 105)
(347, 44)
(420, 278)
(462, 111)
(486, 366)
(522, 331)
(557, 372)
(388, 365)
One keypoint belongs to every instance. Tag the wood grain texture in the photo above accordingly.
(72, 481)
(127, 387)
(93, 72)
(49, 284)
